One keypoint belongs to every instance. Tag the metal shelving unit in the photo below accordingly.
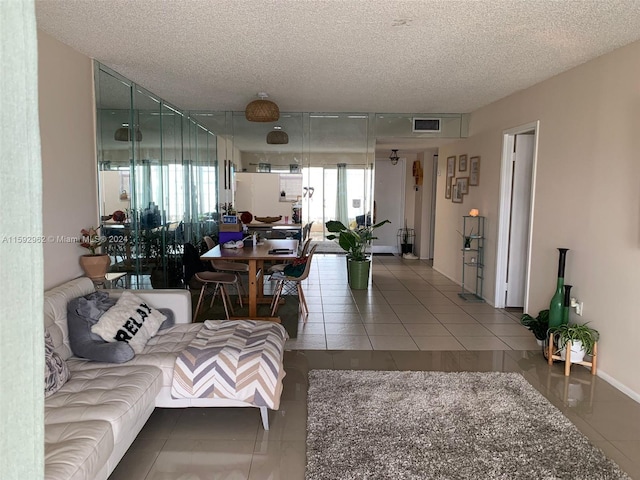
(473, 259)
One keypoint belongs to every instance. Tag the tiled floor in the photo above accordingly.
(408, 305)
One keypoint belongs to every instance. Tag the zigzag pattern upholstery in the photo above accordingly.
(233, 359)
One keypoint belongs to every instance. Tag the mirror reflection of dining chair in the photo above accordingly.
(235, 268)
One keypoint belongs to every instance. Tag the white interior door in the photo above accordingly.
(520, 220)
(389, 195)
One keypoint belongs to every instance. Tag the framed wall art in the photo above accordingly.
(463, 184)
(474, 171)
(462, 163)
(451, 166)
(447, 187)
(456, 195)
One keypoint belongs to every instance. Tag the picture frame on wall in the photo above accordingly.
(462, 163)
(451, 166)
(463, 184)
(474, 171)
(456, 195)
(447, 188)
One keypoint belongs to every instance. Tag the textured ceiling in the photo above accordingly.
(339, 56)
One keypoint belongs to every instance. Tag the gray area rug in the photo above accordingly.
(434, 425)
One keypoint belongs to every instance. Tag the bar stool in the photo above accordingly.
(218, 280)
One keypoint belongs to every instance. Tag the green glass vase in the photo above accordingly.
(556, 307)
(567, 304)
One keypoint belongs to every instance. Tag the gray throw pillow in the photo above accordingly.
(56, 371)
(82, 314)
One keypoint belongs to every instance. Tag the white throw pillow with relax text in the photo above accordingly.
(130, 320)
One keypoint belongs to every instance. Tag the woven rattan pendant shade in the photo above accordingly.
(277, 136)
(123, 134)
(262, 110)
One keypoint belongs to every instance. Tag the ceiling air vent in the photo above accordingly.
(426, 125)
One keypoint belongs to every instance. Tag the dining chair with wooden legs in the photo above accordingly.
(218, 280)
(235, 268)
(284, 279)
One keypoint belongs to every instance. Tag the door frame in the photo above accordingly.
(402, 165)
(504, 216)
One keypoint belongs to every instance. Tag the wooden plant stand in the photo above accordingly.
(567, 361)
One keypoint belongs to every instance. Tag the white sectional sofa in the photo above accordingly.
(91, 421)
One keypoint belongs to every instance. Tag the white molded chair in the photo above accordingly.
(284, 279)
(218, 280)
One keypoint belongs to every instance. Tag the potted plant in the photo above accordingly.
(539, 325)
(581, 336)
(94, 264)
(355, 242)
(406, 243)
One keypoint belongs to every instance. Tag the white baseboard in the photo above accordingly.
(620, 386)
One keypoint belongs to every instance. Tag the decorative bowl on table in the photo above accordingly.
(268, 219)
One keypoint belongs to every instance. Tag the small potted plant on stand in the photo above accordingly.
(95, 265)
(582, 337)
(355, 242)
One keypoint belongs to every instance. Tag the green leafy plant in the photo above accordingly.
(538, 325)
(354, 241)
(580, 332)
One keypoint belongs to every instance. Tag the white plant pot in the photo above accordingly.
(577, 352)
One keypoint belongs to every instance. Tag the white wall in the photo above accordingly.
(586, 197)
(259, 193)
(69, 172)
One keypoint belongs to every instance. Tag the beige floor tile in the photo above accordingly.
(315, 317)
(161, 423)
(337, 308)
(392, 342)
(507, 329)
(339, 317)
(344, 329)
(227, 458)
(363, 360)
(447, 318)
(438, 343)
(483, 343)
(288, 423)
(278, 461)
(449, 309)
(311, 328)
(467, 330)
(348, 342)
(140, 457)
(418, 318)
(413, 309)
(493, 318)
(386, 329)
(307, 342)
(527, 342)
(427, 330)
(380, 318)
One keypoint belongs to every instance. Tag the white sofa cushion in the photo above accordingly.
(55, 311)
(161, 351)
(76, 450)
(131, 320)
(118, 395)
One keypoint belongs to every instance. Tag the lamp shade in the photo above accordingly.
(123, 134)
(474, 212)
(262, 110)
(277, 136)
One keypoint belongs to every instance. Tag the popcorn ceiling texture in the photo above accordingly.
(340, 56)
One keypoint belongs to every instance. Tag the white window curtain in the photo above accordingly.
(21, 257)
(342, 205)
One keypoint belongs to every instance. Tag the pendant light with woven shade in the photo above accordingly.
(262, 110)
(277, 136)
(123, 134)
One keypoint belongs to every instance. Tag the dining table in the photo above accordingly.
(277, 250)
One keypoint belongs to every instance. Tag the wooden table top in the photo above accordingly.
(259, 252)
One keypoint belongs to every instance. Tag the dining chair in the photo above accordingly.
(217, 280)
(283, 280)
(279, 267)
(235, 268)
